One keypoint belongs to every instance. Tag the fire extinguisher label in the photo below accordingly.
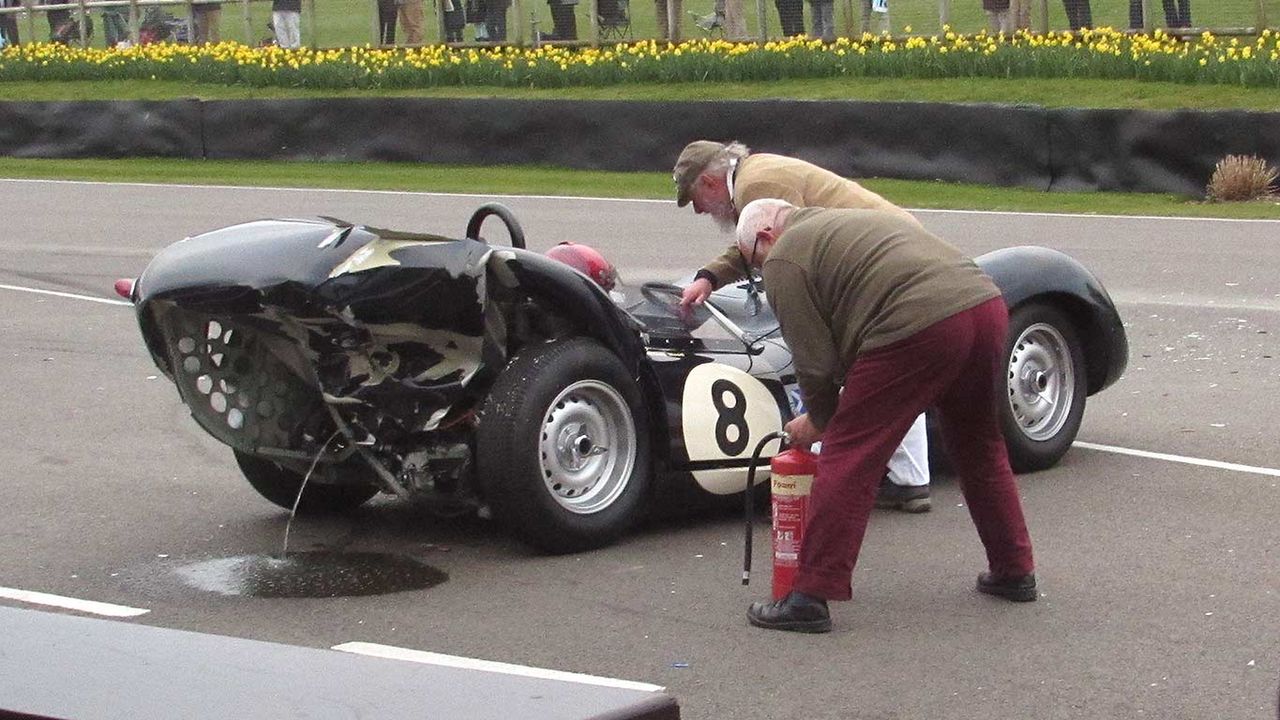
(790, 512)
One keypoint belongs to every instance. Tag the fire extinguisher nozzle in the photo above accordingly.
(746, 578)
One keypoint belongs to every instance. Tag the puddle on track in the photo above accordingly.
(311, 575)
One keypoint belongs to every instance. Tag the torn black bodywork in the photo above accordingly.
(297, 340)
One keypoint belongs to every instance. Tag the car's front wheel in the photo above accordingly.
(281, 486)
(1045, 387)
(563, 447)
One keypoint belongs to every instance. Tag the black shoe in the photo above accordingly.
(1017, 589)
(796, 612)
(907, 498)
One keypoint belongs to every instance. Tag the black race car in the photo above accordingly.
(339, 361)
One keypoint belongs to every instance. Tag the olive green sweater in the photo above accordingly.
(843, 282)
(803, 184)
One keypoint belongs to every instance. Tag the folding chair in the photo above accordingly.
(614, 19)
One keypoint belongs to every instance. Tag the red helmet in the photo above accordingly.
(586, 260)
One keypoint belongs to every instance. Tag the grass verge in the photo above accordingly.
(1045, 92)
(527, 180)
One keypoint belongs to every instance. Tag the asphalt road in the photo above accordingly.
(1160, 594)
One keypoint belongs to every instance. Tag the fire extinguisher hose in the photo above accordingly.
(748, 510)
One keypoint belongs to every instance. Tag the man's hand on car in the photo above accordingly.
(697, 292)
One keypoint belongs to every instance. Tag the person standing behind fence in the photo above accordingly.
(1079, 15)
(455, 20)
(387, 22)
(791, 16)
(562, 18)
(409, 13)
(495, 19)
(286, 23)
(999, 18)
(1177, 13)
(9, 23)
(824, 19)
(670, 34)
(1020, 11)
(206, 21)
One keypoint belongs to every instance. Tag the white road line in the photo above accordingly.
(68, 603)
(455, 661)
(602, 199)
(1217, 464)
(73, 296)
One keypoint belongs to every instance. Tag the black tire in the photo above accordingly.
(280, 486)
(541, 464)
(1045, 387)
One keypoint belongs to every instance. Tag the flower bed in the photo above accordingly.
(1103, 53)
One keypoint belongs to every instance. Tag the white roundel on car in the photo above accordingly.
(725, 412)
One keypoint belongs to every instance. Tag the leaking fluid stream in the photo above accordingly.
(310, 574)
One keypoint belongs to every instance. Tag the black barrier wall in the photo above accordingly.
(106, 129)
(1027, 146)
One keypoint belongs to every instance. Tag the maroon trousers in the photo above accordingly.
(954, 366)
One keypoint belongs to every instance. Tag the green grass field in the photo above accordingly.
(524, 180)
(1044, 92)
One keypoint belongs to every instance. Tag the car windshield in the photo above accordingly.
(669, 326)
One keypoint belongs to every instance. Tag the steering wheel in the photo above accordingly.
(504, 213)
(661, 293)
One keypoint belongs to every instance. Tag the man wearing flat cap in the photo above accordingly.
(719, 179)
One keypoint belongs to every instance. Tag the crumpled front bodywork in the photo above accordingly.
(263, 325)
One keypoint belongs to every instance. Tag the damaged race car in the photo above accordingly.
(339, 361)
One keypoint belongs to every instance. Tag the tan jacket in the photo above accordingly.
(843, 282)
(800, 183)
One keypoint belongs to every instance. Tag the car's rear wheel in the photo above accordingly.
(281, 485)
(563, 447)
(1045, 387)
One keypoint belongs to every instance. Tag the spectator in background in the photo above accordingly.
(735, 20)
(206, 22)
(387, 22)
(495, 20)
(410, 16)
(9, 23)
(62, 29)
(1078, 13)
(476, 12)
(286, 23)
(824, 19)
(791, 16)
(999, 19)
(562, 18)
(1020, 10)
(115, 26)
(455, 19)
(671, 34)
(1177, 13)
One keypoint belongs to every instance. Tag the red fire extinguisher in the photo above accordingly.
(791, 475)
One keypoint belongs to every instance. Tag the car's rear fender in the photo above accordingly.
(565, 292)
(1041, 275)
(570, 294)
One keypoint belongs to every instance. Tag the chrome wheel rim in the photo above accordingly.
(1041, 381)
(587, 448)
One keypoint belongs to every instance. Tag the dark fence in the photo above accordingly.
(1047, 149)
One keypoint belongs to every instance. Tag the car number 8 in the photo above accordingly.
(741, 411)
